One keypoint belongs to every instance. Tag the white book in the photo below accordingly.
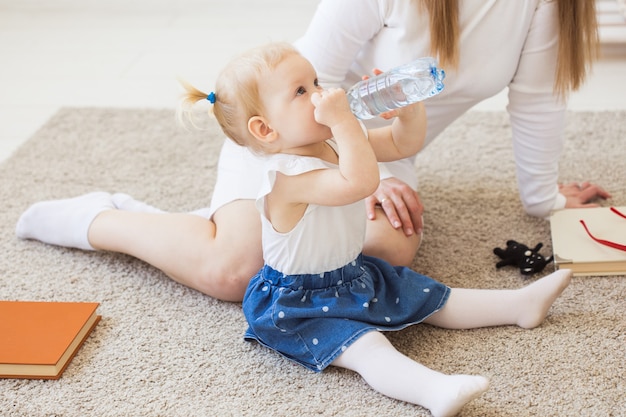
(590, 241)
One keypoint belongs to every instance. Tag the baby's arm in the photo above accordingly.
(404, 138)
(357, 175)
(357, 160)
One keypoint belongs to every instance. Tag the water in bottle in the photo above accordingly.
(398, 87)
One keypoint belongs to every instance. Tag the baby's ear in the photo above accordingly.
(260, 129)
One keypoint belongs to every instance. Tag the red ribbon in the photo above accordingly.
(606, 242)
(616, 211)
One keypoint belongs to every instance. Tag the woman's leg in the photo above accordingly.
(395, 375)
(526, 307)
(384, 242)
(216, 257)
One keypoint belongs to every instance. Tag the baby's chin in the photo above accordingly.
(322, 133)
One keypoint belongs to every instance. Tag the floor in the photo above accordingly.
(128, 53)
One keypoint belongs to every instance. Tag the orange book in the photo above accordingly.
(38, 339)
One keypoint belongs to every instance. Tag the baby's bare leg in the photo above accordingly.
(397, 376)
(526, 307)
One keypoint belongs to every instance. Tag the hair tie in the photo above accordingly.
(211, 97)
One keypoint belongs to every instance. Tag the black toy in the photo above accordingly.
(528, 260)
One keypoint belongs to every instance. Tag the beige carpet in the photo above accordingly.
(164, 350)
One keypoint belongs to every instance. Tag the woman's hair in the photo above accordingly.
(236, 92)
(578, 39)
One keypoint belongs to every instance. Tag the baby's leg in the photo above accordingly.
(526, 307)
(395, 375)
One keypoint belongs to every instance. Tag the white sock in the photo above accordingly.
(127, 203)
(63, 222)
(393, 374)
(453, 392)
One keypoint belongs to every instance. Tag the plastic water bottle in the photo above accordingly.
(398, 87)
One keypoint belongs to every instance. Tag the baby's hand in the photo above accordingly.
(404, 112)
(331, 106)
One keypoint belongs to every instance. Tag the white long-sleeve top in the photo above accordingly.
(503, 43)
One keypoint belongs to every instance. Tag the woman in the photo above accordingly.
(540, 50)
(484, 46)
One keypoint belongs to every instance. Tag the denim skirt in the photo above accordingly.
(312, 319)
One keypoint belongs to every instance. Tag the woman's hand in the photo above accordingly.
(385, 115)
(580, 194)
(388, 115)
(400, 203)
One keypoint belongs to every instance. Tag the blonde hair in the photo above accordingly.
(236, 92)
(578, 39)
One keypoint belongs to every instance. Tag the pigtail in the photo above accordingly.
(236, 98)
(186, 110)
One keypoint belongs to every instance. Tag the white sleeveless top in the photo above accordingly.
(326, 238)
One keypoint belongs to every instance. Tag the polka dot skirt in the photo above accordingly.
(312, 319)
